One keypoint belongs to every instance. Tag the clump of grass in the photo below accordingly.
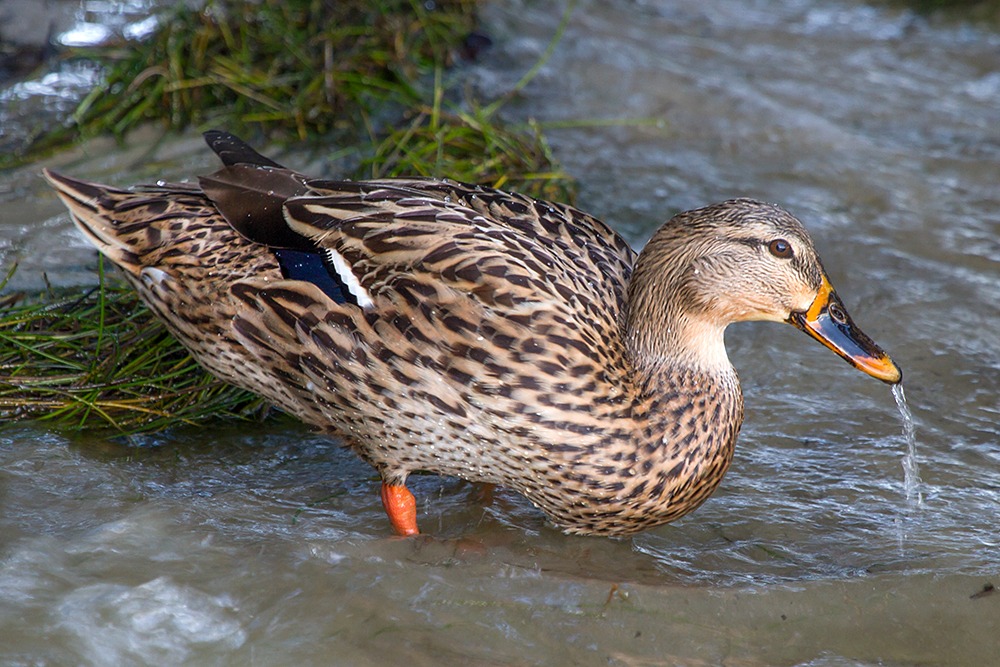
(100, 358)
(473, 145)
(304, 68)
(470, 147)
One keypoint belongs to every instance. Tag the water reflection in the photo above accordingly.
(64, 85)
(86, 34)
(99, 21)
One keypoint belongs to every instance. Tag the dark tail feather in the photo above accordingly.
(233, 150)
(251, 199)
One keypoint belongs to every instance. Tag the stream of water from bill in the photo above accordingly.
(911, 471)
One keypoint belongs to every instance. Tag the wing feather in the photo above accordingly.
(498, 249)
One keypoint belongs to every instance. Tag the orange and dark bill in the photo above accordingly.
(828, 322)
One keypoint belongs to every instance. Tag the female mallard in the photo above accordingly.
(471, 332)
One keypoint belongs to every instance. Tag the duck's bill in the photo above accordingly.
(828, 322)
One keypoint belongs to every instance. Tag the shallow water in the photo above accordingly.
(267, 545)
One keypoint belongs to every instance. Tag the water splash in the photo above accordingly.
(911, 473)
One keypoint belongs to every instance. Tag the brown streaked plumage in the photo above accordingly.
(471, 332)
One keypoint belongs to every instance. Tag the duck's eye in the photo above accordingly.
(780, 248)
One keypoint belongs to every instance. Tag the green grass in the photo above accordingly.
(301, 69)
(99, 358)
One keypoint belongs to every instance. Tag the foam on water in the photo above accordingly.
(157, 622)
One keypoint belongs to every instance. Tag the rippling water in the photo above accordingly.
(879, 128)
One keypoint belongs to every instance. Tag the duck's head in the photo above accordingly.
(732, 262)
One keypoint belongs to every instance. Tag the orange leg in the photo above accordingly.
(401, 507)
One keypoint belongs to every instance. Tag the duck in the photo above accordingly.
(461, 330)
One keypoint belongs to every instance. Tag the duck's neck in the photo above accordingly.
(672, 318)
(670, 340)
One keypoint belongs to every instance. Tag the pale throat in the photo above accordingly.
(700, 343)
(685, 341)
